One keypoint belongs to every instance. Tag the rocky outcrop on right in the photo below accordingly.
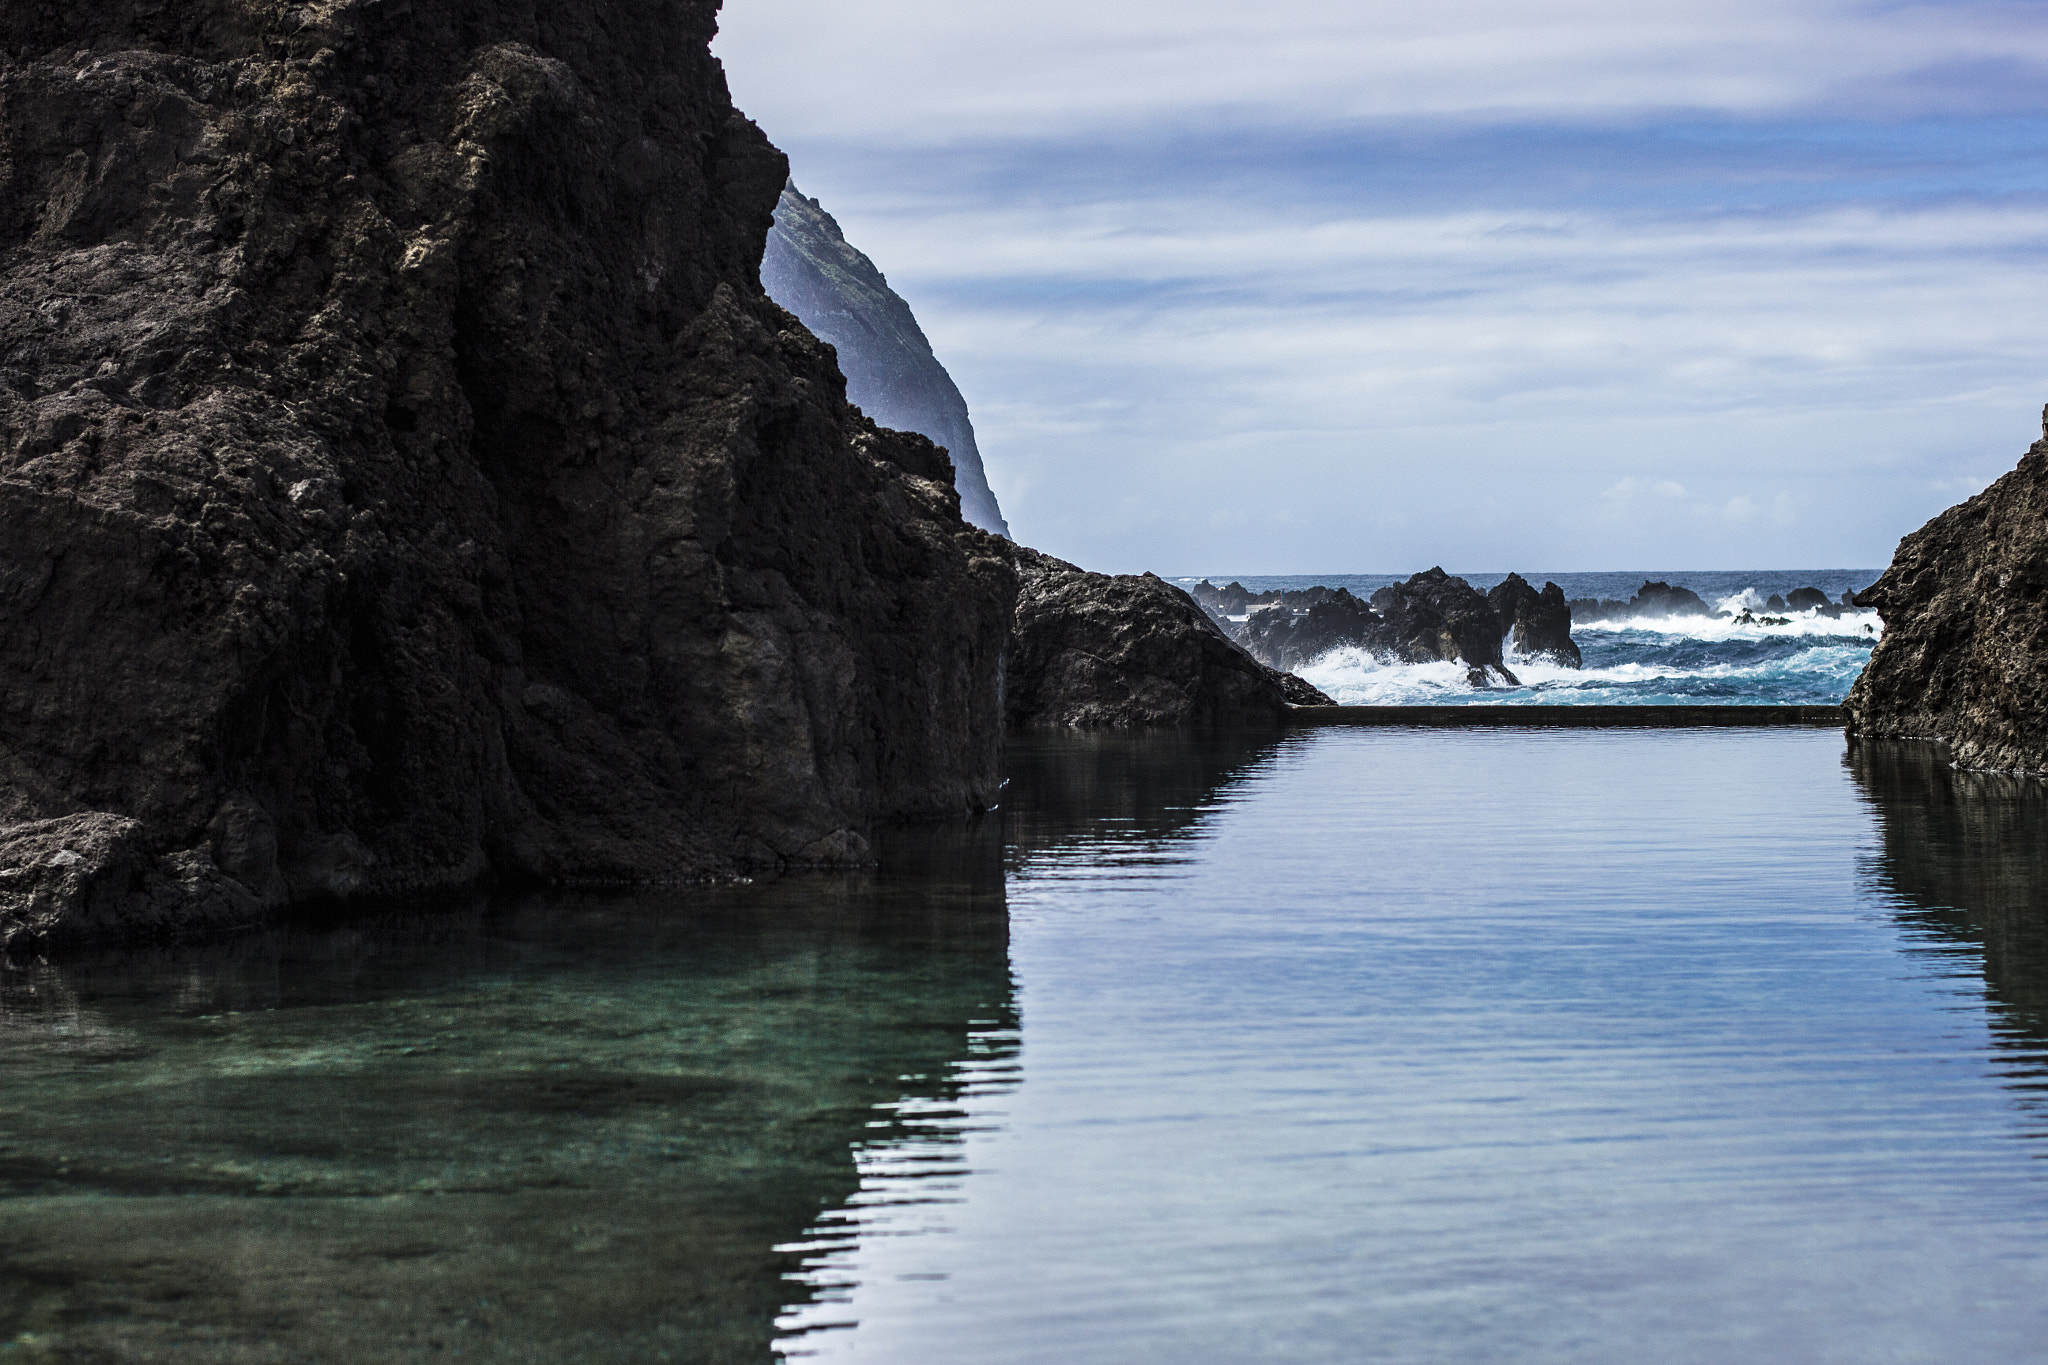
(1538, 624)
(1095, 650)
(1964, 656)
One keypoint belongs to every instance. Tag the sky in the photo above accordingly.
(1311, 286)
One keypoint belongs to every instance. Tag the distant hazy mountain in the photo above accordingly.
(891, 373)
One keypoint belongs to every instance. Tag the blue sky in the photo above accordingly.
(1322, 287)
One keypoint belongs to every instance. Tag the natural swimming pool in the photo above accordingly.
(1337, 1045)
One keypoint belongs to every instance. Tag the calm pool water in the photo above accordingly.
(1348, 1045)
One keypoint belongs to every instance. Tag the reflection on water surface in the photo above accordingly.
(1964, 855)
(1405, 1046)
(1334, 1046)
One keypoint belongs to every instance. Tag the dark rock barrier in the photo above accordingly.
(1573, 717)
(1292, 638)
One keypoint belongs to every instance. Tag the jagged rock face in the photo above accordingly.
(1964, 656)
(402, 473)
(1096, 649)
(1431, 617)
(1538, 624)
(812, 270)
(1434, 616)
(1279, 638)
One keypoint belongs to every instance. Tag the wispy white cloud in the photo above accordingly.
(1847, 351)
(935, 70)
(1236, 349)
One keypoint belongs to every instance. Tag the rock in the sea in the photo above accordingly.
(1538, 624)
(1221, 603)
(1666, 599)
(1805, 599)
(403, 475)
(1964, 655)
(1434, 616)
(1774, 603)
(1287, 637)
(813, 271)
(1586, 609)
(1096, 649)
(1654, 599)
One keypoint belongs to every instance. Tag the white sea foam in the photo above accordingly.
(1353, 677)
(1820, 671)
(1864, 624)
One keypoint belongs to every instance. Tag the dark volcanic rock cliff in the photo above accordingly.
(812, 270)
(1965, 650)
(402, 473)
(1131, 650)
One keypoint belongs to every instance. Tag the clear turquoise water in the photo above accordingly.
(1347, 1045)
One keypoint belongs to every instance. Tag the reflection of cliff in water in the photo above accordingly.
(570, 1128)
(1966, 854)
(567, 1127)
(1102, 797)
(1086, 788)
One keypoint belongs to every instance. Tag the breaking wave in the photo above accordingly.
(1810, 659)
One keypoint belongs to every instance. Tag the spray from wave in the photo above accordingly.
(1790, 658)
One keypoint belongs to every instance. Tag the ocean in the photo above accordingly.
(1811, 660)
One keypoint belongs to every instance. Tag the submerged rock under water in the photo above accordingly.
(570, 1128)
